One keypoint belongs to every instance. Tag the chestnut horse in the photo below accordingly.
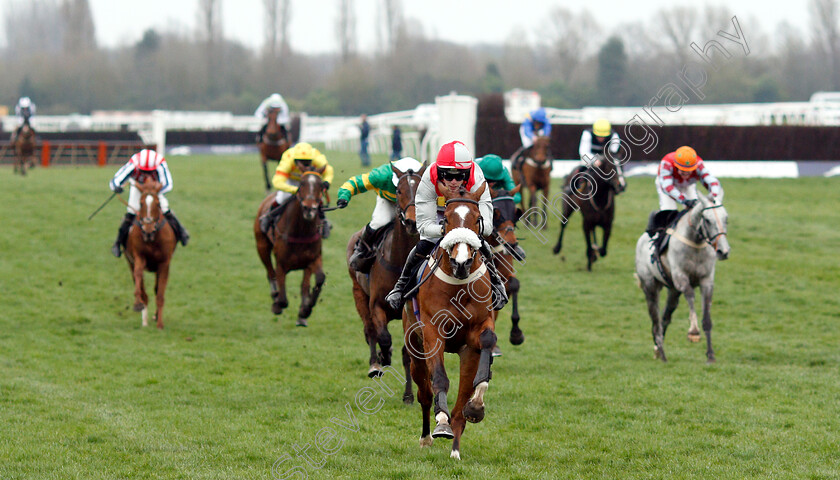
(24, 148)
(274, 142)
(296, 242)
(369, 290)
(150, 245)
(504, 247)
(455, 316)
(533, 170)
(593, 193)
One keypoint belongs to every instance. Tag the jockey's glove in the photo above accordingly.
(341, 203)
(326, 185)
(690, 203)
(118, 189)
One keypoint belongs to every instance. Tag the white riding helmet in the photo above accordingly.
(405, 164)
(276, 101)
(25, 102)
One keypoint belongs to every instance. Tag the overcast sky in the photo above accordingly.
(461, 21)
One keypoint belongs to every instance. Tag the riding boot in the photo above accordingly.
(270, 217)
(122, 234)
(364, 248)
(412, 264)
(326, 226)
(500, 297)
(180, 232)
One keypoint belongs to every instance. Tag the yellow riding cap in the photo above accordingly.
(602, 128)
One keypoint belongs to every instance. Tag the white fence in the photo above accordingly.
(342, 133)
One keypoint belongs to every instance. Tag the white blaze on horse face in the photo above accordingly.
(149, 201)
(462, 212)
(463, 253)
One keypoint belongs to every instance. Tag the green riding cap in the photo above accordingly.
(496, 173)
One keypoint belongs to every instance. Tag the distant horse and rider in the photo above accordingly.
(373, 281)
(149, 247)
(273, 142)
(532, 169)
(24, 145)
(592, 192)
(455, 274)
(684, 261)
(295, 241)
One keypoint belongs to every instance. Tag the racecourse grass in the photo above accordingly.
(227, 389)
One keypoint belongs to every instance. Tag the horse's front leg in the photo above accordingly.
(607, 230)
(408, 395)
(161, 280)
(567, 212)
(591, 255)
(265, 174)
(280, 300)
(656, 330)
(682, 284)
(707, 287)
(516, 335)
(383, 336)
(141, 300)
(474, 380)
(309, 298)
(670, 306)
(433, 350)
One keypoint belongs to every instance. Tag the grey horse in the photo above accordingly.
(697, 241)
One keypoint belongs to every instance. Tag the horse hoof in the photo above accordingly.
(516, 337)
(556, 249)
(497, 352)
(375, 371)
(426, 441)
(301, 322)
(138, 307)
(277, 308)
(473, 414)
(659, 354)
(408, 399)
(710, 360)
(455, 454)
(443, 431)
(693, 337)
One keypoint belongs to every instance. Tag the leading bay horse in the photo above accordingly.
(295, 241)
(150, 245)
(592, 192)
(274, 142)
(697, 241)
(504, 245)
(454, 316)
(24, 148)
(369, 290)
(532, 169)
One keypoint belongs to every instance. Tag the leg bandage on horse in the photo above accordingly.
(440, 404)
(488, 340)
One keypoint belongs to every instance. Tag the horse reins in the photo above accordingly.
(412, 203)
(712, 241)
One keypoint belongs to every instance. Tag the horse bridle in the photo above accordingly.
(473, 202)
(701, 230)
(400, 211)
(142, 221)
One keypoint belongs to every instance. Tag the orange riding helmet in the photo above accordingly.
(685, 159)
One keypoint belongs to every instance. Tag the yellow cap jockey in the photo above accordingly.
(289, 168)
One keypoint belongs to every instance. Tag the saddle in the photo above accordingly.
(659, 223)
(373, 248)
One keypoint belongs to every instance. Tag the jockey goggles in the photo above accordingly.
(449, 174)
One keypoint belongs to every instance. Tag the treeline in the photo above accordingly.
(51, 55)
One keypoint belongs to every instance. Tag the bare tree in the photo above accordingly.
(33, 26)
(824, 24)
(390, 25)
(346, 29)
(79, 31)
(678, 26)
(572, 37)
(210, 20)
(277, 26)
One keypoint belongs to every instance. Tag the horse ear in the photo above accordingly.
(518, 214)
(516, 189)
(321, 170)
(396, 170)
(423, 168)
(478, 193)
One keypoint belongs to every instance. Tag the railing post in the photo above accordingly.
(101, 155)
(45, 153)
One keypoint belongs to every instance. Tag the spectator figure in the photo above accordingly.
(396, 144)
(363, 141)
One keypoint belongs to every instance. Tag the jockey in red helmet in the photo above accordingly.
(144, 165)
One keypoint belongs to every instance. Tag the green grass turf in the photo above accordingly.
(227, 389)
